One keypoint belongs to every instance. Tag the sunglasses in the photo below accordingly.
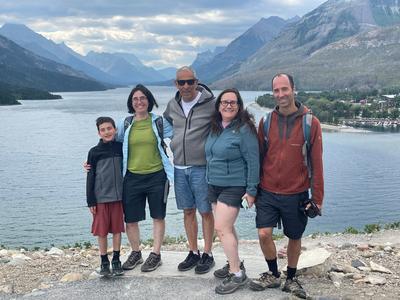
(232, 103)
(188, 81)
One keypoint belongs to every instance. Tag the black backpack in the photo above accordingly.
(160, 130)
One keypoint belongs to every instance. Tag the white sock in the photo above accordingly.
(238, 274)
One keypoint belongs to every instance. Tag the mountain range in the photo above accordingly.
(110, 68)
(340, 44)
(222, 63)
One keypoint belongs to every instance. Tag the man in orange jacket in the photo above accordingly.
(285, 182)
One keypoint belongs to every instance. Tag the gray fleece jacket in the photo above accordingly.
(190, 134)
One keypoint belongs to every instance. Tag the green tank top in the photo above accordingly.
(143, 154)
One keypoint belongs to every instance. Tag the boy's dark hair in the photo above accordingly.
(243, 116)
(147, 93)
(101, 120)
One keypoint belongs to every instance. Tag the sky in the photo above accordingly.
(160, 33)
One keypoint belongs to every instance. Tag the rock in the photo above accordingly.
(378, 268)
(4, 260)
(314, 262)
(367, 254)
(337, 268)
(55, 251)
(358, 276)
(20, 256)
(363, 247)
(37, 255)
(365, 269)
(282, 253)
(70, 277)
(3, 252)
(357, 263)
(388, 249)
(346, 246)
(336, 278)
(22, 250)
(375, 280)
(85, 265)
(349, 269)
(7, 289)
(44, 286)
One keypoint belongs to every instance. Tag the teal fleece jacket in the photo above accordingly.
(233, 158)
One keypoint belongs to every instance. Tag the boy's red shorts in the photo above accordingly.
(109, 218)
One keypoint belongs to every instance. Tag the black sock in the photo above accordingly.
(273, 266)
(115, 256)
(104, 258)
(291, 272)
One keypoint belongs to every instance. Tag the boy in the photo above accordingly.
(104, 194)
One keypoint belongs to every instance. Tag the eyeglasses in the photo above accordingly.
(232, 103)
(141, 99)
(188, 81)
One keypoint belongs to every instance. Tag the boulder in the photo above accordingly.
(363, 247)
(378, 268)
(314, 262)
(375, 280)
(3, 253)
(357, 263)
(55, 251)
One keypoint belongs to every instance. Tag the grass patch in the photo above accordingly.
(351, 230)
(370, 228)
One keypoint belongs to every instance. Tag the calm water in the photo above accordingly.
(42, 184)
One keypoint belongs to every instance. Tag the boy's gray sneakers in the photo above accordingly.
(266, 280)
(224, 271)
(294, 287)
(152, 262)
(117, 268)
(134, 259)
(231, 283)
(105, 269)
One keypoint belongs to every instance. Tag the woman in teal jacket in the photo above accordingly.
(232, 174)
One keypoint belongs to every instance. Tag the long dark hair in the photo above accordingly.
(243, 117)
(147, 93)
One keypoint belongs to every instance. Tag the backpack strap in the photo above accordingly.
(160, 129)
(266, 127)
(307, 121)
(127, 122)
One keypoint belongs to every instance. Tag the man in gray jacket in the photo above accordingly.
(190, 112)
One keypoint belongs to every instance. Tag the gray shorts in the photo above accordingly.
(230, 195)
(270, 208)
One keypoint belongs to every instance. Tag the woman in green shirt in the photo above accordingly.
(147, 172)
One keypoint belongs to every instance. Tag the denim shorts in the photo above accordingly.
(270, 208)
(191, 189)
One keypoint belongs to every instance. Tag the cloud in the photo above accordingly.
(160, 33)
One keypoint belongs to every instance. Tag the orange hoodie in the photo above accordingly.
(283, 168)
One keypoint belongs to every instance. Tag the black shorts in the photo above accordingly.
(138, 187)
(230, 195)
(270, 208)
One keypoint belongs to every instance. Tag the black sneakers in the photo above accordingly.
(231, 283)
(205, 264)
(294, 287)
(117, 268)
(224, 271)
(152, 262)
(190, 261)
(133, 260)
(105, 269)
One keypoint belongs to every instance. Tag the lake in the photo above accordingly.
(42, 183)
